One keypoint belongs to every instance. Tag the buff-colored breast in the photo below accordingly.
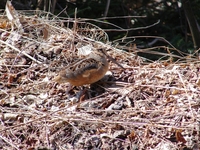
(85, 71)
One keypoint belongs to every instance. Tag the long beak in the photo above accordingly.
(112, 59)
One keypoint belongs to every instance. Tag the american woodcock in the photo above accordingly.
(86, 71)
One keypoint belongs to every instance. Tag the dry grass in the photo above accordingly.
(148, 105)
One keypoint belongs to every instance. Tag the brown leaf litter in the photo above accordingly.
(145, 106)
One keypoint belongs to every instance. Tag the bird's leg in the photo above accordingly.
(68, 89)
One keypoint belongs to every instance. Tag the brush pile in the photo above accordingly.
(147, 105)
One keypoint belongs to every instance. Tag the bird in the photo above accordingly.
(85, 71)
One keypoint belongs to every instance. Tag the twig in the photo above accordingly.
(9, 142)
(24, 53)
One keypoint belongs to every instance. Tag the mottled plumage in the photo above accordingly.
(85, 71)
